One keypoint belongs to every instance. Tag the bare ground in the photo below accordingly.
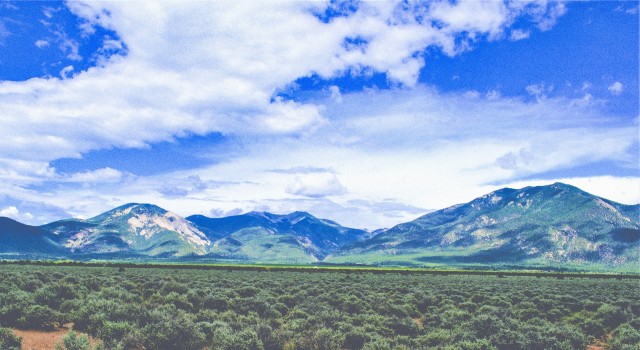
(600, 344)
(44, 340)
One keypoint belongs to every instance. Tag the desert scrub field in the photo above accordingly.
(151, 308)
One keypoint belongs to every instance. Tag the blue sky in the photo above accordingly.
(367, 113)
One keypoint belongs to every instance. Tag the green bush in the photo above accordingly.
(156, 308)
(170, 328)
(72, 341)
(625, 337)
(38, 317)
(8, 341)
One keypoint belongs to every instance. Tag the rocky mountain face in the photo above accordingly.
(146, 231)
(132, 229)
(555, 225)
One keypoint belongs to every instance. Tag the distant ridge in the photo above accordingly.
(267, 237)
(130, 230)
(20, 241)
(556, 226)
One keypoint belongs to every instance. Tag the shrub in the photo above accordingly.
(72, 341)
(38, 317)
(8, 341)
(625, 337)
(172, 329)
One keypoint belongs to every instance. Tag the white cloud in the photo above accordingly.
(544, 13)
(213, 66)
(493, 95)
(70, 47)
(316, 185)
(42, 43)
(539, 91)
(198, 67)
(616, 88)
(416, 148)
(4, 32)
(519, 34)
(49, 11)
(66, 72)
(586, 100)
(104, 175)
(13, 213)
(9, 212)
(335, 93)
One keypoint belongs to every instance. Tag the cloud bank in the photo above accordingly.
(193, 68)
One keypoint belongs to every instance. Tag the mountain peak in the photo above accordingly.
(127, 209)
(545, 225)
(298, 216)
(292, 218)
(555, 186)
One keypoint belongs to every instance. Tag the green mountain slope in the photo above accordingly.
(549, 227)
(554, 226)
(298, 237)
(20, 241)
(132, 229)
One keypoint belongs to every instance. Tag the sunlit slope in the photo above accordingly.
(556, 225)
(132, 229)
(298, 237)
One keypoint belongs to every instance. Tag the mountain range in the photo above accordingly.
(546, 227)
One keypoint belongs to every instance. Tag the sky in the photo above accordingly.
(367, 113)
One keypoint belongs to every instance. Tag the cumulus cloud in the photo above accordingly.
(616, 88)
(95, 176)
(539, 91)
(546, 18)
(180, 69)
(335, 93)
(436, 151)
(214, 66)
(4, 32)
(9, 211)
(416, 148)
(219, 213)
(303, 170)
(14, 213)
(66, 72)
(388, 207)
(316, 185)
(519, 34)
(42, 43)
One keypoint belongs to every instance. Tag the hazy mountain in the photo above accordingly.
(132, 229)
(555, 225)
(20, 241)
(260, 236)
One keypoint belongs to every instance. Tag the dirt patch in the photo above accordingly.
(600, 344)
(44, 340)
